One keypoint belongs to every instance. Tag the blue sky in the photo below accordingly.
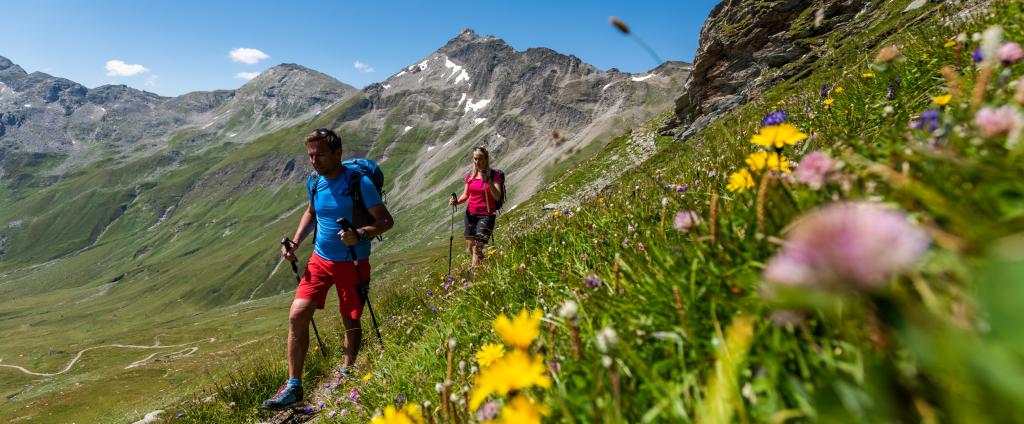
(184, 45)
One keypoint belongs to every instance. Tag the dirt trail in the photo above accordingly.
(156, 345)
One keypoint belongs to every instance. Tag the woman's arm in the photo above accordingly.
(465, 195)
(494, 187)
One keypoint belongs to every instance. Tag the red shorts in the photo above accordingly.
(321, 274)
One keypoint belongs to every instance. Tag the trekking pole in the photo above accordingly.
(451, 234)
(295, 268)
(365, 295)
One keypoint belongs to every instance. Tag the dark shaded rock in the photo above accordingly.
(741, 41)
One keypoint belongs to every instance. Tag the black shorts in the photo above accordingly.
(478, 227)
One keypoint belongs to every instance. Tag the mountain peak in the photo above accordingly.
(467, 34)
(5, 63)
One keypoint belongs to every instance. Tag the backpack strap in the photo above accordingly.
(311, 181)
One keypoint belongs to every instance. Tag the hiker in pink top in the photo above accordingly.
(485, 193)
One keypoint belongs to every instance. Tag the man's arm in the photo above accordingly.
(306, 224)
(382, 221)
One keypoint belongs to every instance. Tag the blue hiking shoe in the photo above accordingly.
(287, 396)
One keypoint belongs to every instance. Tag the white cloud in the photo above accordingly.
(117, 68)
(151, 81)
(364, 67)
(247, 55)
(246, 75)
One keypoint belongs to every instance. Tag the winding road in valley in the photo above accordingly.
(156, 345)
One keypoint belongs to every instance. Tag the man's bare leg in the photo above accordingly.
(298, 335)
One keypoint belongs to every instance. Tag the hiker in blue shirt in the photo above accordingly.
(331, 264)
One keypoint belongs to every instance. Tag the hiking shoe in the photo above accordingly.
(286, 396)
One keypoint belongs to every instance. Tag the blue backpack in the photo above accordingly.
(355, 170)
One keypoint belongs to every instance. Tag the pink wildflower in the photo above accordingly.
(993, 122)
(853, 245)
(685, 220)
(814, 168)
(1010, 53)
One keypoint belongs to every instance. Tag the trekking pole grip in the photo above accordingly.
(287, 243)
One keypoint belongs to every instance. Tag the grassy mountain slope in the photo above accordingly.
(171, 248)
(696, 339)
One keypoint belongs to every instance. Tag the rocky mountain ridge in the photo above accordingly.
(40, 113)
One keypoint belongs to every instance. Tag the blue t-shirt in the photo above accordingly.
(332, 201)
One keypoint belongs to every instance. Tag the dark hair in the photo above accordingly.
(327, 136)
(483, 150)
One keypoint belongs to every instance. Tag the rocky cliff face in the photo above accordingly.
(747, 46)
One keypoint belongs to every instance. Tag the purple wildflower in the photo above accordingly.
(977, 56)
(449, 278)
(430, 293)
(852, 245)
(321, 405)
(180, 415)
(814, 168)
(625, 242)
(825, 89)
(592, 281)
(929, 120)
(776, 117)
(685, 220)
(433, 309)
(308, 410)
(332, 414)
(668, 187)
(353, 395)
(891, 92)
(488, 411)
(659, 179)
(447, 285)
(682, 189)
(399, 401)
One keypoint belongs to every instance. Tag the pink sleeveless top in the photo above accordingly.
(480, 202)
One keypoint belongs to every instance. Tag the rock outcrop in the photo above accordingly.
(748, 46)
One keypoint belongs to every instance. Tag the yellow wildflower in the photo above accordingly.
(367, 377)
(409, 414)
(556, 213)
(838, 90)
(600, 200)
(489, 353)
(868, 74)
(740, 181)
(777, 162)
(516, 371)
(520, 331)
(757, 160)
(949, 43)
(522, 410)
(943, 99)
(828, 103)
(778, 136)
